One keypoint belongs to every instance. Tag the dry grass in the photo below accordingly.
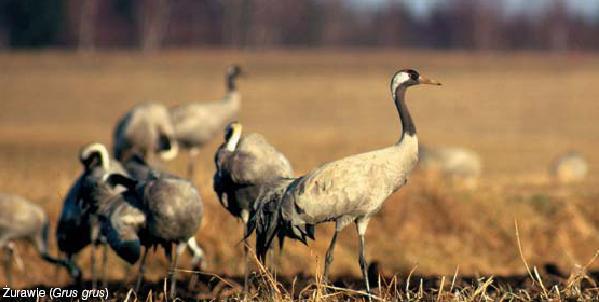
(517, 111)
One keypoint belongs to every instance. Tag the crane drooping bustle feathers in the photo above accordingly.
(245, 165)
(267, 220)
(348, 190)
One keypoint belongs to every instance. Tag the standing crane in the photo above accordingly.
(243, 165)
(21, 219)
(197, 123)
(352, 189)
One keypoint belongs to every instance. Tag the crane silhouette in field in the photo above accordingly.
(198, 122)
(350, 190)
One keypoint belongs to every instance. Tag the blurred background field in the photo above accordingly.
(519, 88)
(517, 111)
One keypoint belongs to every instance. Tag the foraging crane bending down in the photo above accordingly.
(352, 189)
(21, 219)
(140, 170)
(146, 129)
(77, 226)
(243, 165)
(197, 123)
(172, 214)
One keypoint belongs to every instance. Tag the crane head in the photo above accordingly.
(94, 154)
(409, 77)
(233, 135)
(234, 71)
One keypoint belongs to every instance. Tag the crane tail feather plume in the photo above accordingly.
(268, 221)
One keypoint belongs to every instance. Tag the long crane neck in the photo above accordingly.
(408, 127)
(231, 83)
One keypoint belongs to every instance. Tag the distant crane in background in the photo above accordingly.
(197, 123)
(22, 220)
(569, 167)
(146, 129)
(453, 164)
(349, 190)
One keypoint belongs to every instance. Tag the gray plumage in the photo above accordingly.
(352, 189)
(196, 124)
(245, 165)
(22, 220)
(146, 129)
(140, 170)
(125, 216)
(77, 226)
(569, 167)
(156, 211)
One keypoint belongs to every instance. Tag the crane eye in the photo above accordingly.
(414, 75)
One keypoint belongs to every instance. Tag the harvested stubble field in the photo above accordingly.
(517, 111)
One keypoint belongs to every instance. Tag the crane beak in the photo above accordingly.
(428, 81)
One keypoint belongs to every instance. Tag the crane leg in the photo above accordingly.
(329, 256)
(173, 270)
(142, 269)
(245, 217)
(95, 231)
(8, 264)
(104, 263)
(361, 225)
(93, 266)
(190, 165)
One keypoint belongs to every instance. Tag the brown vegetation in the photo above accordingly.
(516, 111)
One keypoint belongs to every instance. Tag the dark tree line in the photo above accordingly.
(154, 24)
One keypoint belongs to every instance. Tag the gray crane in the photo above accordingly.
(349, 190)
(197, 123)
(146, 129)
(139, 169)
(243, 165)
(77, 225)
(158, 211)
(105, 207)
(21, 219)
